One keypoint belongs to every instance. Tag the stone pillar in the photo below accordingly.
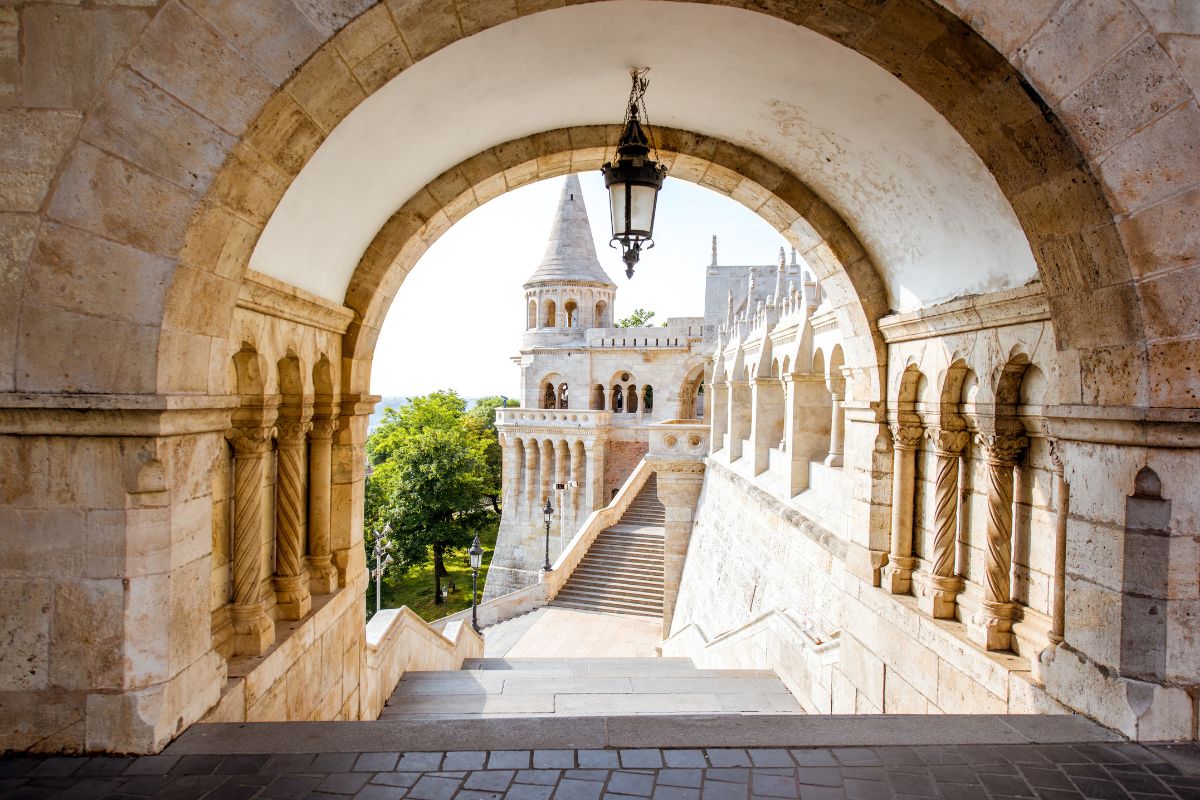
(595, 475)
(323, 576)
(938, 591)
(292, 598)
(765, 423)
(718, 419)
(547, 479)
(679, 485)
(837, 429)
(739, 417)
(253, 628)
(897, 575)
(1062, 507)
(533, 480)
(991, 626)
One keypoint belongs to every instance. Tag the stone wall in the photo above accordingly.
(621, 460)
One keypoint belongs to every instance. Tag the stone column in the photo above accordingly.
(739, 417)
(837, 429)
(594, 458)
(765, 423)
(718, 419)
(679, 485)
(323, 576)
(938, 591)
(991, 626)
(292, 598)
(547, 481)
(253, 628)
(532, 475)
(897, 575)
(1062, 507)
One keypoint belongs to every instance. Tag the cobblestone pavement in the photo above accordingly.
(1055, 772)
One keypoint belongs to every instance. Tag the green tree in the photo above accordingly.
(428, 480)
(638, 318)
(482, 418)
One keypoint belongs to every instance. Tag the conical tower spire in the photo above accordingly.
(570, 252)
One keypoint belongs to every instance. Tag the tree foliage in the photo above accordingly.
(482, 417)
(429, 479)
(637, 319)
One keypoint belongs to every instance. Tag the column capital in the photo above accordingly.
(323, 427)
(1002, 449)
(906, 437)
(292, 432)
(251, 440)
(948, 442)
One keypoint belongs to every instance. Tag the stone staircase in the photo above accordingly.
(622, 572)
(585, 687)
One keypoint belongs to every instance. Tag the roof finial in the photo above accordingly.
(779, 275)
(714, 249)
(729, 307)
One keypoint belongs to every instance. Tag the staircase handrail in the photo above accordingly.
(398, 640)
(596, 522)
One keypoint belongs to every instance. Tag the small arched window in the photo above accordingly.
(618, 400)
(699, 402)
(648, 399)
(631, 399)
(572, 312)
(562, 396)
(597, 397)
(548, 321)
(602, 314)
(548, 396)
(531, 316)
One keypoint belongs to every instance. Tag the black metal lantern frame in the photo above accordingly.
(635, 179)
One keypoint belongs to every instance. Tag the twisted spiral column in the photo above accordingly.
(253, 629)
(323, 575)
(292, 596)
(939, 590)
(897, 575)
(992, 625)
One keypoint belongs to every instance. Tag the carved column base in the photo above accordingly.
(292, 599)
(833, 460)
(322, 575)
(897, 574)
(253, 629)
(221, 628)
(937, 596)
(991, 626)
(865, 564)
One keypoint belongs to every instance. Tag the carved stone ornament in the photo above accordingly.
(906, 437)
(1003, 449)
(948, 442)
(324, 428)
(1056, 456)
(250, 440)
(292, 432)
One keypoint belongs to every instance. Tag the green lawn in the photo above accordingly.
(415, 587)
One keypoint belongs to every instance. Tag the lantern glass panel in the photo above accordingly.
(616, 204)
(642, 201)
(476, 558)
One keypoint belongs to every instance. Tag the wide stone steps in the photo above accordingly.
(622, 571)
(585, 687)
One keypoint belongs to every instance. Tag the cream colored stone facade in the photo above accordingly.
(145, 148)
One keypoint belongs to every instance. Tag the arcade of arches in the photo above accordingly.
(206, 209)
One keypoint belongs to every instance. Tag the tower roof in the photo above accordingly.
(570, 253)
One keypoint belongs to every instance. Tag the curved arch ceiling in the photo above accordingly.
(933, 219)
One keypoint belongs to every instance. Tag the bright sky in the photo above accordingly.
(460, 314)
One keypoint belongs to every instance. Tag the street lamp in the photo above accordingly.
(635, 179)
(547, 512)
(382, 552)
(476, 556)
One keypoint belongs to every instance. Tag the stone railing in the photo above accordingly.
(399, 641)
(597, 521)
(679, 438)
(552, 417)
(778, 639)
(499, 609)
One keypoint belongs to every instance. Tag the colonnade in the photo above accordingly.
(534, 466)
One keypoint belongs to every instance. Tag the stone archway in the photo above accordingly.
(153, 144)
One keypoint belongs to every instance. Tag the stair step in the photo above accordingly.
(607, 572)
(652, 594)
(627, 601)
(608, 608)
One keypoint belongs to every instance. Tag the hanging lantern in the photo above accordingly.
(634, 180)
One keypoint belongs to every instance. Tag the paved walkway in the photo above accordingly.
(1052, 772)
(554, 632)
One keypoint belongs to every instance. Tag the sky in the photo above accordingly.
(459, 316)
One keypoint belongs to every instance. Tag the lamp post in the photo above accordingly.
(635, 179)
(382, 552)
(476, 556)
(547, 512)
